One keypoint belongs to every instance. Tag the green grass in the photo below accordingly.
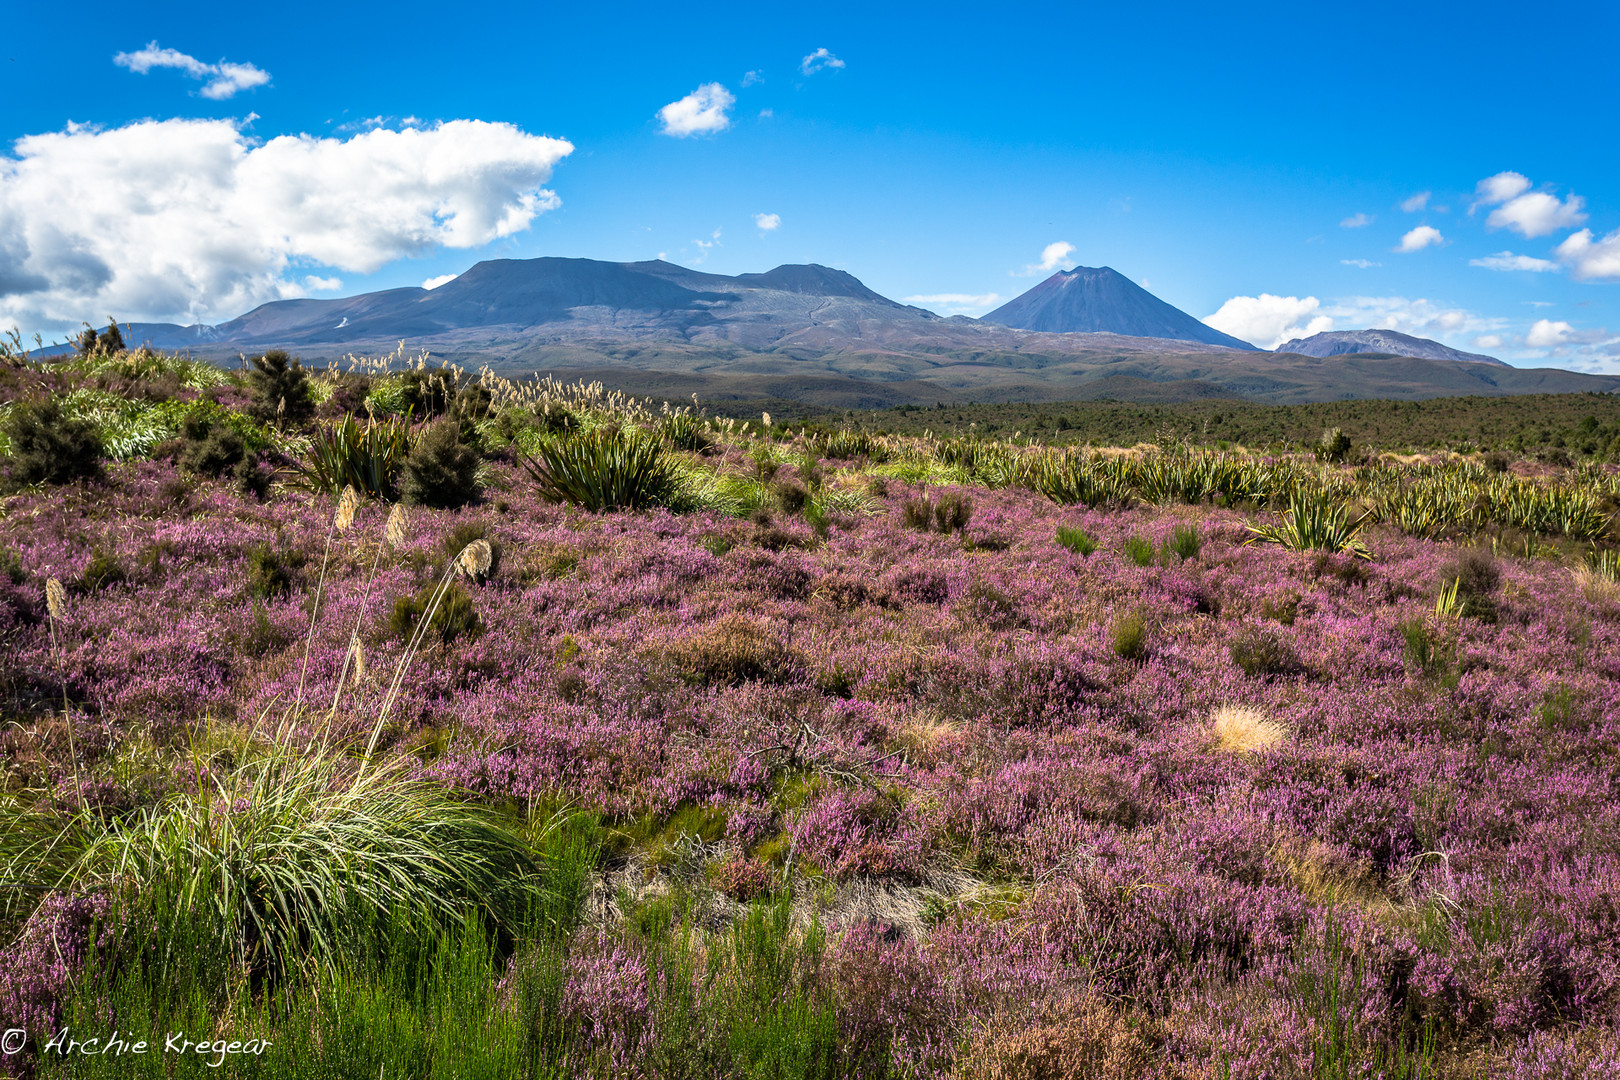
(1076, 540)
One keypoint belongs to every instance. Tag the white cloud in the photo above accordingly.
(1356, 221)
(1268, 321)
(1488, 341)
(1506, 260)
(1546, 334)
(704, 247)
(1590, 261)
(1537, 214)
(1053, 255)
(957, 303)
(1413, 204)
(751, 77)
(224, 78)
(818, 60)
(766, 114)
(701, 112)
(767, 222)
(1420, 318)
(435, 282)
(315, 283)
(1360, 263)
(1419, 238)
(190, 220)
(1499, 189)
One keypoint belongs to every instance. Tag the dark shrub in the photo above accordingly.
(348, 397)
(209, 445)
(104, 570)
(1477, 577)
(428, 392)
(110, 340)
(952, 512)
(250, 479)
(917, 513)
(453, 617)
(269, 572)
(440, 470)
(47, 446)
(792, 496)
(1259, 651)
(280, 387)
(1497, 461)
(1334, 445)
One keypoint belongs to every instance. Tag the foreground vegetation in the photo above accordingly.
(429, 725)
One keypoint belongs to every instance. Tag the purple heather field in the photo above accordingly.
(1159, 803)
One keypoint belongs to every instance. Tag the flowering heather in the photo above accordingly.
(1305, 815)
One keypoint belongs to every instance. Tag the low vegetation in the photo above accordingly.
(530, 730)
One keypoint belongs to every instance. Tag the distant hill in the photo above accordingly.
(819, 335)
(1385, 342)
(1092, 299)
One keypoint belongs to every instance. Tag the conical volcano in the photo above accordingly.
(1099, 299)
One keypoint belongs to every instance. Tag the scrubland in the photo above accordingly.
(429, 725)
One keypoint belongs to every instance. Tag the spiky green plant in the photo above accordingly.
(346, 453)
(1314, 521)
(606, 469)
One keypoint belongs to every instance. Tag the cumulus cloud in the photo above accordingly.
(1528, 213)
(957, 303)
(1420, 317)
(768, 222)
(1413, 204)
(702, 112)
(1547, 334)
(1356, 221)
(1419, 238)
(1488, 341)
(190, 220)
(224, 78)
(1053, 255)
(1361, 264)
(1506, 260)
(751, 77)
(1268, 321)
(316, 283)
(1589, 260)
(435, 282)
(1499, 189)
(819, 60)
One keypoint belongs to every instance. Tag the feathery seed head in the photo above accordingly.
(348, 503)
(476, 558)
(56, 599)
(395, 532)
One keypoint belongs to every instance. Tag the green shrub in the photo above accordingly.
(1137, 549)
(280, 387)
(345, 454)
(1183, 543)
(209, 445)
(606, 469)
(792, 496)
(1259, 651)
(1129, 637)
(441, 470)
(454, 617)
(1076, 540)
(917, 513)
(1334, 445)
(49, 447)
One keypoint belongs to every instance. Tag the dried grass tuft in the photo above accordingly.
(1597, 587)
(1241, 729)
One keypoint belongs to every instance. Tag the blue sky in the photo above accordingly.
(1263, 165)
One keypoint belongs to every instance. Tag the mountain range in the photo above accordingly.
(814, 334)
(1384, 342)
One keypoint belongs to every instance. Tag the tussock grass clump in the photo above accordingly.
(731, 652)
(451, 617)
(1129, 636)
(1183, 544)
(269, 572)
(1241, 729)
(1076, 540)
(949, 513)
(1138, 550)
(365, 457)
(1599, 577)
(606, 469)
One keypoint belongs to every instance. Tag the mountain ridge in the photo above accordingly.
(1386, 342)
